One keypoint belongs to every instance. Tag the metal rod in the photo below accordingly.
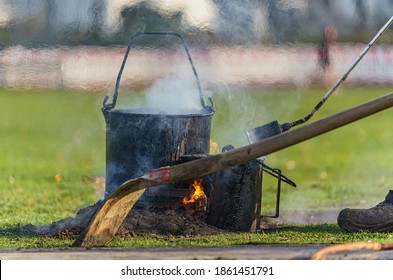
(278, 197)
(341, 79)
(274, 172)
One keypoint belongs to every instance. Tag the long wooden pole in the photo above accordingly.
(113, 211)
(273, 144)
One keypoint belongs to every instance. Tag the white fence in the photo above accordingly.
(97, 67)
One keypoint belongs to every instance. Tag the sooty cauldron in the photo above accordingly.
(142, 139)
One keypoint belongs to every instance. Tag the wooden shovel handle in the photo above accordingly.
(216, 163)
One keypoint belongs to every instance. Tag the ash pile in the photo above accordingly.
(137, 223)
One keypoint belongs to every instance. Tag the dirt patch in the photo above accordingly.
(169, 222)
(137, 223)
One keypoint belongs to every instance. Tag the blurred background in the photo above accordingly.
(74, 44)
(251, 22)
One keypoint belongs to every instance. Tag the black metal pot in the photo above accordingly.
(139, 140)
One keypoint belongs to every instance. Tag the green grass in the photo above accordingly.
(51, 140)
(45, 134)
(300, 235)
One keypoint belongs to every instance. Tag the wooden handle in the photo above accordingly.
(219, 162)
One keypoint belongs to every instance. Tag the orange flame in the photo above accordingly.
(197, 194)
(214, 148)
(98, 183)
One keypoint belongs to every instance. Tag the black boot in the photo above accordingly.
(376, 219)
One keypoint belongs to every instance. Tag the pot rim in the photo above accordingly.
(160, 112)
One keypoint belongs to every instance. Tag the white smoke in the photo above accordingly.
(174, 96)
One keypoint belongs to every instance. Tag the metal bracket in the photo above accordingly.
(275, 172)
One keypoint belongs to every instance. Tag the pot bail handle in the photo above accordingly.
(112, 105)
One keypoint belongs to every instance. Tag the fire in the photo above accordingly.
(98, 183)
(197, 194)
(214, 148)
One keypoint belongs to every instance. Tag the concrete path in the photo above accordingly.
(244, 252)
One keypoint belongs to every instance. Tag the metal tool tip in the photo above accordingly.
(285, 127)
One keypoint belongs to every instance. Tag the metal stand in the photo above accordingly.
(275, 172)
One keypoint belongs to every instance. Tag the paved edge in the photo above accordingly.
(241, 252)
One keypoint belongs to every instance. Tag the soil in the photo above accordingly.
(169, 222)
(137, 223)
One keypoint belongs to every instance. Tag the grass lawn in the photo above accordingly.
(53, 143)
